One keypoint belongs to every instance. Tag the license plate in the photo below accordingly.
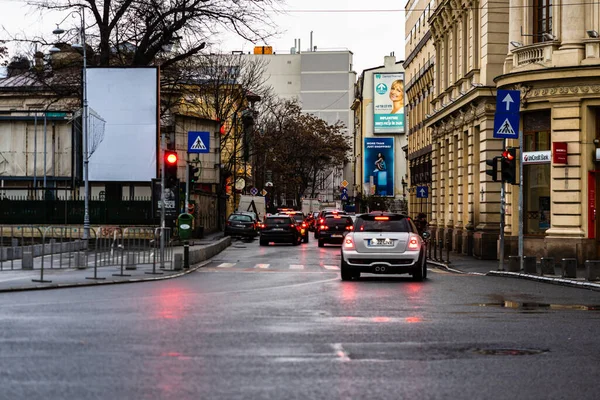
(337, 236)
(277, 229)
(381, 242)
(239, 226)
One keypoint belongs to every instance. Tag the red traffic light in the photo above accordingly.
(171, 158)
(508, 155)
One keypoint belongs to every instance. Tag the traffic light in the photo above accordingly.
(192, 173)
(494, 171)
(509, 165)
(170, 167)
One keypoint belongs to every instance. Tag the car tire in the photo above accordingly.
(305, 239)
(321, 243)
(262, 242)
(420, 273)
(346, 274)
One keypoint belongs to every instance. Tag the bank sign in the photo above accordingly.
(537, 157)
(388, 103)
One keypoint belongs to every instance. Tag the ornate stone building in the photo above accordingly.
(471, 41)
(554, 59)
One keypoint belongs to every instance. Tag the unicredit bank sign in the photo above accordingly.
(537, 157)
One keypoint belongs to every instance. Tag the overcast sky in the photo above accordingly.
(371, 30)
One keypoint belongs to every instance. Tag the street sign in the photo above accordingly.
(422, 192)
(263, 192)
(506, 118)
(345, 183)
(344, 190)
(254, 191)
(198, 142)
(344, 196)
(56, 114)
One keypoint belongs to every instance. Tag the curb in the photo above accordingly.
(545, 279)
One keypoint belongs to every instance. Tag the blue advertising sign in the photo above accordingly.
(379, 165)
(506, 118)
(388, 103)
(198, 142)
(422, 192)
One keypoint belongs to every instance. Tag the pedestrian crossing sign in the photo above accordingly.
(198, 142)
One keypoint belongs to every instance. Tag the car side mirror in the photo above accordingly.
(426, 235)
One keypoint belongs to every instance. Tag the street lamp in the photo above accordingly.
(84, 117)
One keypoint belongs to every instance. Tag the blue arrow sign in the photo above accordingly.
(422, 192)
(508, 101)
(198, 142)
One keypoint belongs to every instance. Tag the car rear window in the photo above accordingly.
(298, 217)
(391, 223)
(278, 221)
(338, 221)
(238, 217)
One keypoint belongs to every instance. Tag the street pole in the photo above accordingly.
(162, 201)
(521, 200)
(187, 184)
(502, 212)
(84, 123)
(35, 156)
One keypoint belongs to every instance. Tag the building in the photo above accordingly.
(323, 83)
(554, 60)
(471, 42)
(420, 84)
(380, 129)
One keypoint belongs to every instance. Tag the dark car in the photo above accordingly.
(240, 225)
(321, 218)
(332, 230)
(279, 229)
(301, 221)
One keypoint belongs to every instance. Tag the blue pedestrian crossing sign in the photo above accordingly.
(198, 142)
(422, 192)
(344, 196)
(506, 118)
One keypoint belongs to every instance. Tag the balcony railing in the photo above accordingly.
(539, 53)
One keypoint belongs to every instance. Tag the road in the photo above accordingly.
(277, 323)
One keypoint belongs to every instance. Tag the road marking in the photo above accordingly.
(342, 355)
(225, 265)
(296, 266)
(263, 266)
(335, 267)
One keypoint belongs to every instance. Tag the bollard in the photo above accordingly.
(79, 260)
(547, 266)
(432, 243)
(448, 252)
(186, 255)
(514, 264)
(530, 265)
(592, 270)
(569, 268)
(27, 261)
(177, 262)
(131, 261)
(441, 244)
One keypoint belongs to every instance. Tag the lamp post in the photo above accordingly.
(84, 119)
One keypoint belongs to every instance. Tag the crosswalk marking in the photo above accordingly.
(331, 267)
(296, 266)
(225, 265)
(263, 266)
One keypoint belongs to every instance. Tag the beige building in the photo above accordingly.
(419, 67)
(554, 59)
(470, 41)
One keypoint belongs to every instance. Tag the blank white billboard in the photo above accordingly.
(127, 99)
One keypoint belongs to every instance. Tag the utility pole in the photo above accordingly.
(502, 214)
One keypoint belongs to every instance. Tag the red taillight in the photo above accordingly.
(349, 243)
(382, 218)
(321, 220)
(337, 217)
(349, 228)
(323, 227)
(229, 223)
(261, 226)
(292, 225)
(304, 224)
(413, 244)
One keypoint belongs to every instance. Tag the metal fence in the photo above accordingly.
(54, 247)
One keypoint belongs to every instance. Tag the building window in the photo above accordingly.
(542, 19)
(536, 177)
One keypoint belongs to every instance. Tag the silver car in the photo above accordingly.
(383, 243)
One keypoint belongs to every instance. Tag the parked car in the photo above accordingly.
(279, 229)
(384, 243)
(332, 230)
(253, 215)
(240, 225)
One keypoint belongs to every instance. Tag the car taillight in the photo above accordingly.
(229, 223)
(348, 243)
(323, 227)
(321, 220)
(261, 226)
(292, 225)
(350, 227)
(413, 243)
(304, 224)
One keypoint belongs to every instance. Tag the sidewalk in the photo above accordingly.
(471, 265)
(20, 280)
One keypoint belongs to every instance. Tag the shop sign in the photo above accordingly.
(559, 155)
(537, 157)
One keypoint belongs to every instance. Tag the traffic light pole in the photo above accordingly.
(162, 201)
(502, 214)
(187, 184)
(521, 200)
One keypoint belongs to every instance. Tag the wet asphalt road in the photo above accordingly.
(277, 323)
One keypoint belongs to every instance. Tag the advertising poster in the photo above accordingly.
(379, 166)
(388, 103)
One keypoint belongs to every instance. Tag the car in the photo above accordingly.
(279, 229)
(240, 225)
(321, 218)
(334, 227)
(300, 220)
(384, 243)
(253, 215)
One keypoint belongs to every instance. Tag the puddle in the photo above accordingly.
(534, 306)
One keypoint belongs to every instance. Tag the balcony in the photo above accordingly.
(535, 56)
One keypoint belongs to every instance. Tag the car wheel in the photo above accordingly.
(226, 234)
(421, 272)
(321, 243)
(346, 273)
(263, 242)
(305, 240)
(425, 269)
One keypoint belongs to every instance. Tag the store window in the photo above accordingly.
(536, 176)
